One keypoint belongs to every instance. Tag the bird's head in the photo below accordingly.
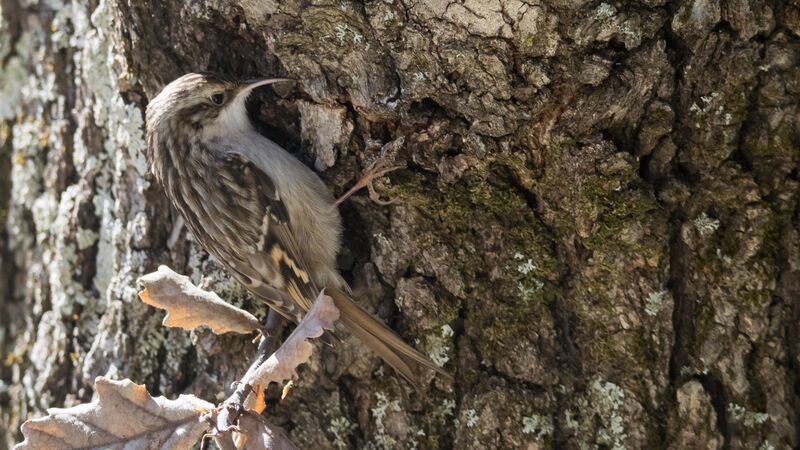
(210, 103)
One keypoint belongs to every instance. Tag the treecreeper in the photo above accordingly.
(267, 217)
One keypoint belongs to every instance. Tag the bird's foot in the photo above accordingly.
(375, 170)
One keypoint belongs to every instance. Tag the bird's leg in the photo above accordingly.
(377, 169)
(231, 408)
(273, 327)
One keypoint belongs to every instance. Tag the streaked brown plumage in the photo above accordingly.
(258, 210)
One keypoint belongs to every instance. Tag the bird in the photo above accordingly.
(256, 208)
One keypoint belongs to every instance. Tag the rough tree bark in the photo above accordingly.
(597, 231)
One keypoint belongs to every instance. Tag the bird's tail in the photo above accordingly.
(407, 361)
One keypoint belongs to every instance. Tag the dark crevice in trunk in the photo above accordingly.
(789, 286)
(719, 401)
(683, 312)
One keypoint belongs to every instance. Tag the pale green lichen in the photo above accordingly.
(12, 77)
(69, 25)
(106, 255)
(45, 355)
(341, 429)
(439, 345)
(341, 32)
(100, 71)
(64, 290)
(44, 210)
(654, 303)
(632, 35)
(85, 162)
(411, 440)
(599, 414)
(472, 418)
(200, 10)
(540, 426)
(123, 284)
(447, 408)
(691, 371)
(605, 11)
(607, 399)
(709, 98)
(195, 264)
(529, 285)
(384, 405)
(139, 226)
(570, 421)
(149, 344)
(607, 18)
(103, 68)
(13, 74)
(705, 225)
(32, 140)
(525, 267)
(747, 418)
(27, 166)
(710, 106)
(50, 216)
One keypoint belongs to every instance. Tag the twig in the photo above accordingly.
(280, 365)
(233, 406)
(225, 441)
(189, 307)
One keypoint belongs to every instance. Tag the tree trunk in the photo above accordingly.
(596, 231)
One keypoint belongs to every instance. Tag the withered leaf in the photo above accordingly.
(256, 401)
(123, 415)
(279, 366)
(296, 349)
(189, 307)
(258, 434)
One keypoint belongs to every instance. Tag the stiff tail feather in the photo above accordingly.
(407, 361)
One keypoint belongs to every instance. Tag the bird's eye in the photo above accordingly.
(218, 98)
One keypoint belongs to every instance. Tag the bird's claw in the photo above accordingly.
(376, 170)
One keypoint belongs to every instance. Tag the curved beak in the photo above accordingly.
(249, 85)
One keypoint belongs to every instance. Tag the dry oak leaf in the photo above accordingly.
(189, 307)
(258, 434)
(123, 415)
(296, 349)
(279, 366)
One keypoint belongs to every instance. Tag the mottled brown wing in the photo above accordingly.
(274, 271)
(274, 267)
